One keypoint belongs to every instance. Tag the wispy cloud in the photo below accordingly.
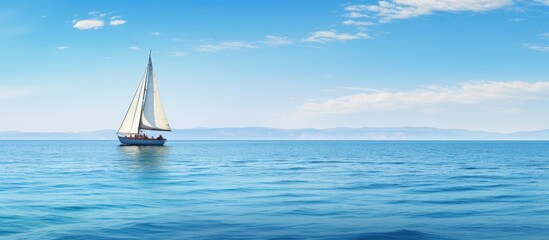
(224, 46)
(386, 11)
(536, 47)
(88, 24)
(62, 47)
(274, 41)
(466, 93)
(117, 22)
(362, 89)
(546, 2)
(134, 48)
(358, 23)
(177, 54)
(356, 15)
(332, 35)
(97, 14)
(7, 93)
(156, 34)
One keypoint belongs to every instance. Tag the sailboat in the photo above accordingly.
(146, 112)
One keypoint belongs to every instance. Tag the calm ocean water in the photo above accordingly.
(274, 190)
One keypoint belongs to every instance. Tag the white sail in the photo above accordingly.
(153, 117)
(131, 122)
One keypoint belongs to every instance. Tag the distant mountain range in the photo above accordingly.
(258, 133)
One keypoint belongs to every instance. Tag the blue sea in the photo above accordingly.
(275, 190)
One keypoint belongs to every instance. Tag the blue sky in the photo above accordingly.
(480, 65)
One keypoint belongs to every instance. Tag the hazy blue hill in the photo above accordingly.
(258, 133)
(530, 135)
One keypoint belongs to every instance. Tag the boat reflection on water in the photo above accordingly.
(145, 157)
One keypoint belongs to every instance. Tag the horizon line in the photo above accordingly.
(289, 129)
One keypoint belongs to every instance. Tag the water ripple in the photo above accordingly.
(274, 190)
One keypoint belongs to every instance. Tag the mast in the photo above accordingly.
(149, 69)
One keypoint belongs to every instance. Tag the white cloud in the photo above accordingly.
(389, 10)
(134, 48)
(358, 23)
(328, 36)
(177, 54)
(466, 93)
(537, 47)
(156, 34)
(224, 46)
(98, 21)
(274, 41)
(62, 47)
(117, 22)
(88, 24)
(546, 2)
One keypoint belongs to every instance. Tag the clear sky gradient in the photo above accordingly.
(479, 65)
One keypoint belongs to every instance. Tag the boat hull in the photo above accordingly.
(141, 142)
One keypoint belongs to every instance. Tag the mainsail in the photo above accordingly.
(146, 110)
(154, 117)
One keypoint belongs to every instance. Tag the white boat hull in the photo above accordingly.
(142, 142)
